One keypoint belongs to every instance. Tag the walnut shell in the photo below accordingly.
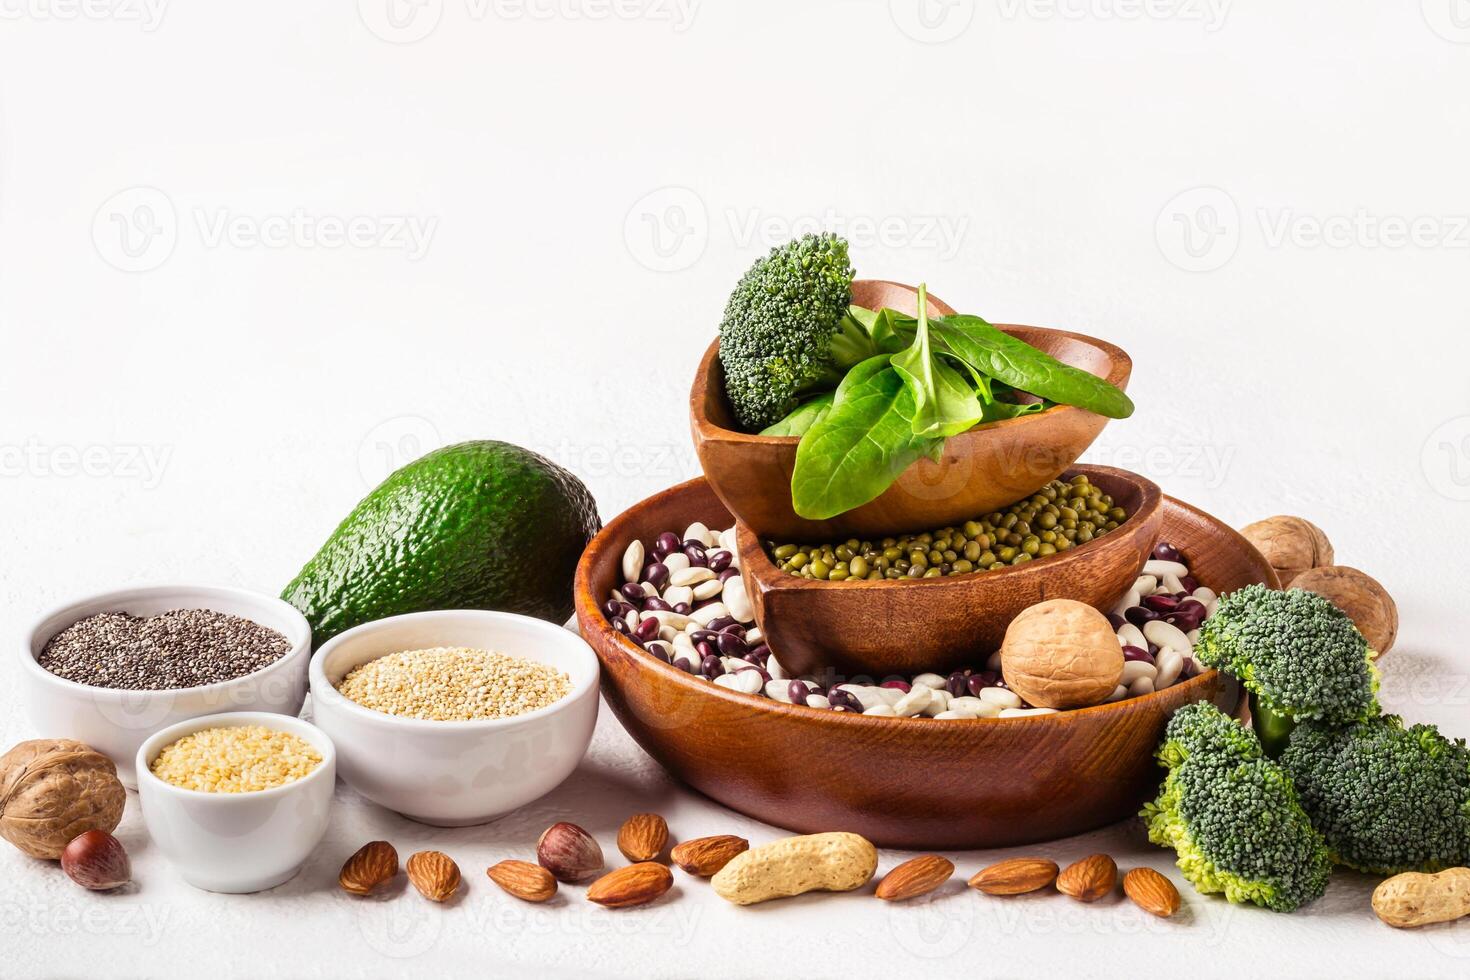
(53, 789)
(1291, 545)
(1358, 594)
(1061, 654)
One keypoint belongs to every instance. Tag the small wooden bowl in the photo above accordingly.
(901, 782)
(908, 626)
(981, 470)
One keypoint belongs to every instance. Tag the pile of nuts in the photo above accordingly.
(683, 601)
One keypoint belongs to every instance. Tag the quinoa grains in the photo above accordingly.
(236, 759)
(454, 684)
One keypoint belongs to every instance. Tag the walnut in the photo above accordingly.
(51, 790)
(1358, 594)
(1061, 654)
(1290, 544)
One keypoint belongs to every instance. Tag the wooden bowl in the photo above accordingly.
(982, 469)
(909, 626)
(901, 782)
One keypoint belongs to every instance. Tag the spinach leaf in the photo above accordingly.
(883, 326)
(803, 417)
(861, 446)
(1016, 363)
(945, 405)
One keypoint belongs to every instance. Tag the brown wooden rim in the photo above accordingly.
(1122, 368)
(753, 553)
(590, 611)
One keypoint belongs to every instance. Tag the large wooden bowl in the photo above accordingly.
(909, 626)
(981, 470)
(901, 782)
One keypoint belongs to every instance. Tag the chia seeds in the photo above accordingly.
(176, 649)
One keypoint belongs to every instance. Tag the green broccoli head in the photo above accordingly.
(1387, 798)
(1300, 655)
(786, 332)
(1233, 817)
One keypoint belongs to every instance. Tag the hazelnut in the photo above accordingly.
(1061, 654)
(1358, 594)
(569, 853)
(96, 861)
(53, 789)
(1291, 545)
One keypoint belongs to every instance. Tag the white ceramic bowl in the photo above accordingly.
(116, 722)
(456, 773)
(238, 842)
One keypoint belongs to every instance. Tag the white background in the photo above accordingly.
(1264, 202)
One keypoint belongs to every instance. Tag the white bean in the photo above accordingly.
(1119, 693)
(1203, 594)
(972, 705)
(1140, 687)
(879, 710)
(633, 561)
(737, 600)
(1160, 568)
(953, 715)
(672, 620)
(931, 681)
(704, 615)
(661, 645)
(691, 576)
(754, 635)
(1168, 635)
(774, 668)
(817, 701)
(727, 542)
(675, 562)
(1025, 712)
(1134, 669)
(684, 647)
(1193, 636)
(1132, 636)
(914, 702)
(1173, 585)
(868, 697)
(1004, 697)
(676, 594)
(778, 690)
(1145, 585)
(744, 681)
(698, 532)
(1127, 602)
(1170, 663)
(938, 702)
(732, 664)
(891, 695)
(631, 617)
(708, 589)
(667, 633)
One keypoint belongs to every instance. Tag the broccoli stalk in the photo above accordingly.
(1232, 816)
(1387, 798)
(1299, 657)
(787, 332)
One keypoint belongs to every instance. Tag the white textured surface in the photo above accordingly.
(276, 383)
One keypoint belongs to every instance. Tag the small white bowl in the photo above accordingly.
(116, 722)
(456, 773)
(238, 842)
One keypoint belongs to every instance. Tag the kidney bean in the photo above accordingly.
(1116, 621)
(1134, 653)
(711, 667)
(721, 622)
(844, 699)
(620, 626)
(719, 560)
(667, 544)
(654, 604)
(957, 684)
(657, 575)
(695, 554)
(762, 651)
(897, 685)
(647, 629)
(703, 636)
(683, 664)
(728, 574)
(1192, 606)
(1160, 603)
(683, 608)
(1164, 551)
(633, 592)
(706, 649)
(797, 692)
(1190, 583)
(612, 608)
(735, 630)
(1138, 615)
(731, 645)
(658, 652)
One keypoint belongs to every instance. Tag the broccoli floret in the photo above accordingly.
(1387, 798)
(1300, 657)
(1232, 817)
(786, 330)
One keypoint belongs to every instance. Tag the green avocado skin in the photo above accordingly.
(477, 525)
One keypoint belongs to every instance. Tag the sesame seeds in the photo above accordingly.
(454, 684)
(175, 649)
(239, 759)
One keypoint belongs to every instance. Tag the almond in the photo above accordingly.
(704, 856)
(1151, 892)
(1015, 876)
(637, 884)
(1089, 879)
(524, 880)
(374, 863)
(569, 853)
(434, 874)
(911, 879)
(643, 836)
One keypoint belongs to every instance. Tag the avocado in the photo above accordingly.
(477, 525)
